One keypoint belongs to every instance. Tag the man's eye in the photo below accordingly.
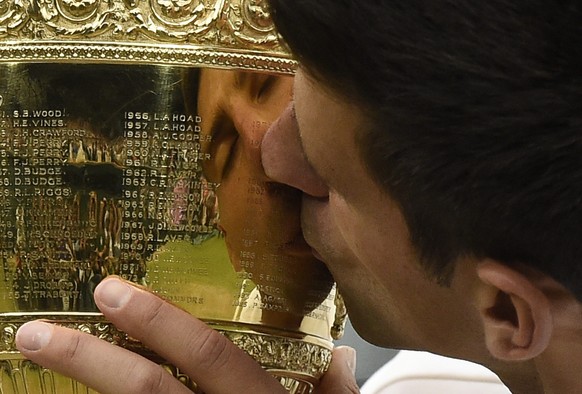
(229, 160)
(262, 86)
(222, 150)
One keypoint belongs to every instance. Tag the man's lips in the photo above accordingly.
(316, 254)
(313, 250)
(298, 247)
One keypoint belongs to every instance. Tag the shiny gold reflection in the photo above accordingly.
(258, 218)
(153, 173)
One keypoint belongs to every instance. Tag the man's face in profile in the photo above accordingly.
(260, 219)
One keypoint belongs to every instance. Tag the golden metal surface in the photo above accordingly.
(218, 33)
(129, 145)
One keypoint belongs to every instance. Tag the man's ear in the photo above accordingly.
(516, 313)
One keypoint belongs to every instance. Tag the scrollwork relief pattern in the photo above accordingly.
(26, 377)
(272, 352)
(283, 353)
(114, 29)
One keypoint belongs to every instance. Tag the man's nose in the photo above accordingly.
(284, 160)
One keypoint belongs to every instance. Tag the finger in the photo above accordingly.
(210, 359)
(340, 377)
(104, 367)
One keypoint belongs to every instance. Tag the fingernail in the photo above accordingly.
(351, 359)
(113, 293)
(34, 335)
(349, 355)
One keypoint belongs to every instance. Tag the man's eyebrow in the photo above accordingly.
(219, 122)
(238, 80)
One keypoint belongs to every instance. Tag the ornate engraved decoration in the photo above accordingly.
(237, 33)
(283, 353)
(93, 324)
(295, 362)
(31, 378)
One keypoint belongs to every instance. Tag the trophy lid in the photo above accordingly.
(217, 33)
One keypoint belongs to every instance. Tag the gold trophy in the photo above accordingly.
(130, 138)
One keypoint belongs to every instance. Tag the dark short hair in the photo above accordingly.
(476, 114)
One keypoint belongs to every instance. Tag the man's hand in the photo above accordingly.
(207, 357)
(203, 354)
(340, 377)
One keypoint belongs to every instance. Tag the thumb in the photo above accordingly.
(340, 377)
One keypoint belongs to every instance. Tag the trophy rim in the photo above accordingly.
(145, 54)
(284, 353)
(234, 34)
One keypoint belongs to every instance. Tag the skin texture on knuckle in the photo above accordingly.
(212, 351)
(71, 352)
(350, 388)
(147, 380)
(154, 315)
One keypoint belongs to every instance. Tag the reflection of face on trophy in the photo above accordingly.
(115, 164)
(259, 219)
(66, 152)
